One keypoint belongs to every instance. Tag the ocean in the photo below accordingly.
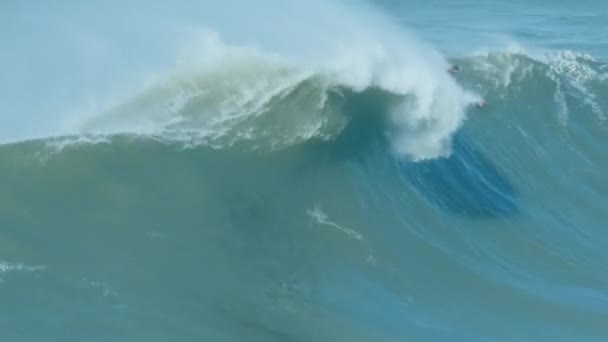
(304, 170)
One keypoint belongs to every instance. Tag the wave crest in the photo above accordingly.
(223, 94)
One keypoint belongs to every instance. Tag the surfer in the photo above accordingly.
(454, 69)
(481, 103)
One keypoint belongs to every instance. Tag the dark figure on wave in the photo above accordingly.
(481, 103)
(455, 68)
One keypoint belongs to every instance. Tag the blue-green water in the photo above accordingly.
(304, 171)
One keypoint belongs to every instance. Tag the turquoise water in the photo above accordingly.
(285, 171)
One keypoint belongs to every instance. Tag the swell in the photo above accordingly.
(510, 215)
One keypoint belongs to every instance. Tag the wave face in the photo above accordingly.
(358, 194)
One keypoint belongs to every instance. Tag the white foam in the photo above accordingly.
(568, 66)
(501, 68)
(575, 67)
(6, 267)
(320, 217)
(572, 64)
(56, 145)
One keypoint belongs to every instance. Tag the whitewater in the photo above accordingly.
(303, 171)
